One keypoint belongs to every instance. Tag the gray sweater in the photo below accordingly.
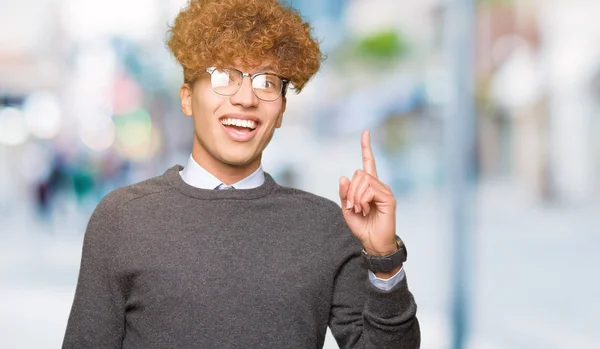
(168, 265)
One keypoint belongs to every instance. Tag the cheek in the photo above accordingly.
(206, 107)
(275, 116)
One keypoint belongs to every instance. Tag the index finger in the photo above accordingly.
(367, 154)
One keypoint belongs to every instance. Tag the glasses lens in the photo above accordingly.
(225, 81)
(267, 86)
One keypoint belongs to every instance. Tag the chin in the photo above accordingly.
(238, 161)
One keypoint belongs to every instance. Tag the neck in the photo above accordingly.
(226, 173)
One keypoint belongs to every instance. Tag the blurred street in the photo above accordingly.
(89, 102)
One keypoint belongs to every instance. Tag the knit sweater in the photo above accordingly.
(168, 265)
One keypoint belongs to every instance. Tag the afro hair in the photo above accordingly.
(217, 32)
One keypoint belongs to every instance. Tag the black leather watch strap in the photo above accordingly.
(386, 263)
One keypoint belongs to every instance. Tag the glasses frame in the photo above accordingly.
(284, 82)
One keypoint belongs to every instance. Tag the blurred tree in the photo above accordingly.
(385, 45)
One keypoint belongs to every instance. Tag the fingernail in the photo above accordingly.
(348, 204)
(364, 214)
(356, 208)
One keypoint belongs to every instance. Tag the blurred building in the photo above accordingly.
(536, 66)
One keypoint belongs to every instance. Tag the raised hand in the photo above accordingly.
(369, 206)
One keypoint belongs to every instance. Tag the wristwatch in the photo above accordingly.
(386, 263)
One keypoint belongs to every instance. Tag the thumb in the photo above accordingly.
(344, 186)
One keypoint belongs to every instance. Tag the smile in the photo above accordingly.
(250, 124)
(239, 130)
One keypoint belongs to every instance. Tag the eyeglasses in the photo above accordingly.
(228, 81)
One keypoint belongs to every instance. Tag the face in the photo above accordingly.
(220, 144)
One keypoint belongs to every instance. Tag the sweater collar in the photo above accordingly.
(174, 178)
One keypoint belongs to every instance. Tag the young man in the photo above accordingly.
(178, 262)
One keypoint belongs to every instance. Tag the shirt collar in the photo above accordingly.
(196, 176)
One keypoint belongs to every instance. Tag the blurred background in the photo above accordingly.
(503, 230)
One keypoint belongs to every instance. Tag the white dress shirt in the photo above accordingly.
(196, 176)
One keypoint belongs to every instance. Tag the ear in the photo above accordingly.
(185, 95)
(280, 118)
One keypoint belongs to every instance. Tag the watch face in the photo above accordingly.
(386, 263)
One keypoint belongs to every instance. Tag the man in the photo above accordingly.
(179, 261)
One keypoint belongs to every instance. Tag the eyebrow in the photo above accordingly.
(263, 69)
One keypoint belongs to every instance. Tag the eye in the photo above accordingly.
(230, 76)
(266, 81)
(220, 78)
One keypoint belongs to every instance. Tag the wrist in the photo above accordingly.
(390, 248)
(384, 252)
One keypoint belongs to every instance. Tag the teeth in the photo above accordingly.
(239, 123)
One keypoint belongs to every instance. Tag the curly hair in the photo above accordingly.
(216, 32)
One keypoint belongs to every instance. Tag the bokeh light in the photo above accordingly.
(43, 115)
(13, 128)
(98, 135)
(135, 135)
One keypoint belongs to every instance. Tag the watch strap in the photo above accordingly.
(386, 263)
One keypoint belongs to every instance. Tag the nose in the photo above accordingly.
(245, 96)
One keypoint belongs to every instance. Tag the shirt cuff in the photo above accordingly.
(386, 284)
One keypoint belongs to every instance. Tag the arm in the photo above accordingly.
(97, 318)
(364, 316)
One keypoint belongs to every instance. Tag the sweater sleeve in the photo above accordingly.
(97, 318)
(364, 316)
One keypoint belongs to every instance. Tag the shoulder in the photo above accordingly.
(104, 226)
(130, 194)
(325, 216)
(309, 201)
(307, 198)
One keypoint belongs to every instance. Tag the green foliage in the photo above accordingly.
(384, 45)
